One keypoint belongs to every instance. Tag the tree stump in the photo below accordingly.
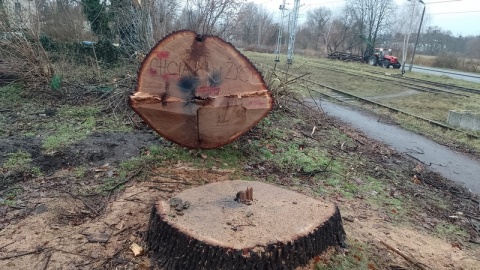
(209, 227)
(199, 91)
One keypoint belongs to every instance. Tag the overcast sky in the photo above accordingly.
(462, 17)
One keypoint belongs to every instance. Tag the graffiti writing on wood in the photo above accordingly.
(235, 112)
(161, 65)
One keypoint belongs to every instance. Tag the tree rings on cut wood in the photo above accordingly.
(199, 91)
(279, 229)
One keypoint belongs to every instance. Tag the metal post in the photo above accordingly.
(418, 35)
(292, 31)
(279, 37)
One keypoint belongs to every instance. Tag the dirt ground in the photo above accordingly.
(53, 227)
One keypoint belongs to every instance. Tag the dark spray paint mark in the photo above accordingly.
(188, 85)
(200, 38)
(163, 99)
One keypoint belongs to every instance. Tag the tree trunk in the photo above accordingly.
(241, 225)
(199, 91)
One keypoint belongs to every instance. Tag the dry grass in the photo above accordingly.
(434, 106)
(425, 60)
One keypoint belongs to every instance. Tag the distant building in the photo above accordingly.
(17, 14)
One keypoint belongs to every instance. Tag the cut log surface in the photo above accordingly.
(279, 229)
(199, 91)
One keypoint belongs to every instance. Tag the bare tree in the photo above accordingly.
(246, 23)
(164, 15)
(341, 32)
(62, 20)
(317, 22)
(211, 17)
(408, 19)
(473, 47)
(372, 17)
(20, 44)
(133, 24)
(255, 25)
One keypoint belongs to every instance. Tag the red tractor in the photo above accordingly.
(384, 59)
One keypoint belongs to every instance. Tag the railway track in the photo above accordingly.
(342, 96)
(411, 85)
(422, 81)
(445, 85)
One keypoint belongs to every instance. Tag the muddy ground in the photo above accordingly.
(61, 220)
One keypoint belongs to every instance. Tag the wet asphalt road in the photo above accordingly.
(467, 76)
(448, 163)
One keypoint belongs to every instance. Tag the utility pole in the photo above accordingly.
(292, 31)
(418, 35)
(406, 38)
(259, 38)
(279, 36)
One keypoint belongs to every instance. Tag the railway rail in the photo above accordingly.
(422, 81)
(403, 81)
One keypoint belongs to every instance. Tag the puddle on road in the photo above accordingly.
(448, 163)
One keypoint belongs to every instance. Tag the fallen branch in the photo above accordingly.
(474, 227)
(171, 182)
(47, 260)
(7, 245)
(84, 202)
(403, 255)
(169, 190)
(73, 253)
(474, 241)
(126, 180)
(127, 228)
(21, 254)
(472, 217)
(312, 173)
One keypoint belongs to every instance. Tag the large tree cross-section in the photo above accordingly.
(199, 91)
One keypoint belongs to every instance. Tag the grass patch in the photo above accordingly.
(450, 231)
(229, 156)
(440, 135)
(80, 172)
(10, 95)
(278, 147)
(293, 157)
(20, 163)
(75, 123)
(74, 112)
(67, 133)
(110, 184)
(9, 198)
(357, 257)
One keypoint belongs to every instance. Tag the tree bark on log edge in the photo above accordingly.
(172, 248)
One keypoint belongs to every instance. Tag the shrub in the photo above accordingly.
(103, 51)
(447, 60)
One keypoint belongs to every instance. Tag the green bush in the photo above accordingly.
(48, 43)
(105, 52)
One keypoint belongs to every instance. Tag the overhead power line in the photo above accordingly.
(455, 12)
